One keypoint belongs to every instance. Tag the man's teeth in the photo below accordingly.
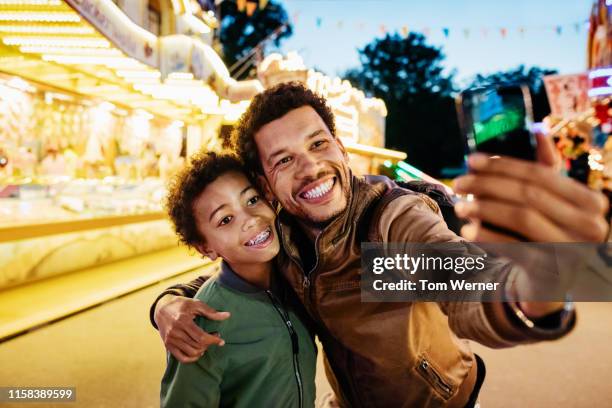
(261, 237)
(319, 191)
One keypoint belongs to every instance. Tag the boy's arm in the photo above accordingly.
(194, 384)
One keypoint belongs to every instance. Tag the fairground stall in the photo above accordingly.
(99, 105)
(581, 116)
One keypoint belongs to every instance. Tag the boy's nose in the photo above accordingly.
(250, 222)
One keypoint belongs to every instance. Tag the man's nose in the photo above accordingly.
(308, 166)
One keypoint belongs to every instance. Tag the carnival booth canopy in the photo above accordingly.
(92, 48)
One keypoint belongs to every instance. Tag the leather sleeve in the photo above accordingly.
(414, 218)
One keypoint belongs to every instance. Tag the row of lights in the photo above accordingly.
(96, 51)
(57, 42)
(44, 29)
(55, 17)
(30, 2)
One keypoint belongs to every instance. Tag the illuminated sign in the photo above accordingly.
(600, 82)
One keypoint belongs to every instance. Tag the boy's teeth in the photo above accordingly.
(261, 237)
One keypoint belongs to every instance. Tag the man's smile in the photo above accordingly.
(318, 191)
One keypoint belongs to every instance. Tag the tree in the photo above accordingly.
(407, 74)
(240, 33)
(533, 77)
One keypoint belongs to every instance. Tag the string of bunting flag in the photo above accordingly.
(447, 32)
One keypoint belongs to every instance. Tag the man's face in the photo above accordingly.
(304, 166)
(235, 222)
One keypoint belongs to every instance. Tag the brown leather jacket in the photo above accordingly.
(390, 354)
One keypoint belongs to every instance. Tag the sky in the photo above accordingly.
(346, 25)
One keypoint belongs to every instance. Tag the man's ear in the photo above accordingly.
(341, 145)
(203, 249)
(264, 187)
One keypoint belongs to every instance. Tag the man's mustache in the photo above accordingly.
(309, 180)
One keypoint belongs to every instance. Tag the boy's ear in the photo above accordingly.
(203, 249)
(264, 187)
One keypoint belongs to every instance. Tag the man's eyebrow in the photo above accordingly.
(282, 150)
(247, 188)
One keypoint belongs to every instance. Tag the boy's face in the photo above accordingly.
(236, 222)
(305, 167)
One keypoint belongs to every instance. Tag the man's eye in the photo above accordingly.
(284, 160)
(319, 143)
(252, 201)
(225, 220)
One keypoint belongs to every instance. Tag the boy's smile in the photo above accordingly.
(236, 222)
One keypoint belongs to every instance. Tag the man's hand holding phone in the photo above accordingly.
(531, 199)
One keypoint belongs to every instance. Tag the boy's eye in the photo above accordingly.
(253, 200)
(225, 220)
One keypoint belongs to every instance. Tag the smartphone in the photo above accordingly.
(497, 120)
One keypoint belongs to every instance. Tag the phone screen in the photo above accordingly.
(497, 120)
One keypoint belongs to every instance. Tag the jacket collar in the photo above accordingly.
(230, 279)
(227, 277)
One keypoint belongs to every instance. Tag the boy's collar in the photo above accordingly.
(227, 277)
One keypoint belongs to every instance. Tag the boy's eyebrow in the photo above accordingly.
(225, 205)
(282, 150)
(246, 189)
(214, 212)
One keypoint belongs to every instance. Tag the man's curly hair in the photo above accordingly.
(268, 106)
(187, 185)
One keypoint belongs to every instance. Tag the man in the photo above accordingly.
(386, 354)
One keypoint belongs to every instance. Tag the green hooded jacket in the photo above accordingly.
(268, 360)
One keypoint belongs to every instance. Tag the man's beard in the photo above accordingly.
(320, 225)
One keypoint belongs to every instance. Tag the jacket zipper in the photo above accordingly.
(294, 345)
(305, 277)
(429, 371)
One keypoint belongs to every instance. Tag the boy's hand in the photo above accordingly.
(181, 336)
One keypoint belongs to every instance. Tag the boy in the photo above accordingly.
(268, 358)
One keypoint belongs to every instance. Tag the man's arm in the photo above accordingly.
(172, 313)
(411, 218)
(187, 290)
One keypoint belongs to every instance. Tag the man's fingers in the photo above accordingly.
(547, 153)
(212, 340)
(588, 225)
(491, 186)
(195, 333)
(182, 357)
(541, 177)
(524, 221)
(186, 344)
(475, 232)
(201, 309)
